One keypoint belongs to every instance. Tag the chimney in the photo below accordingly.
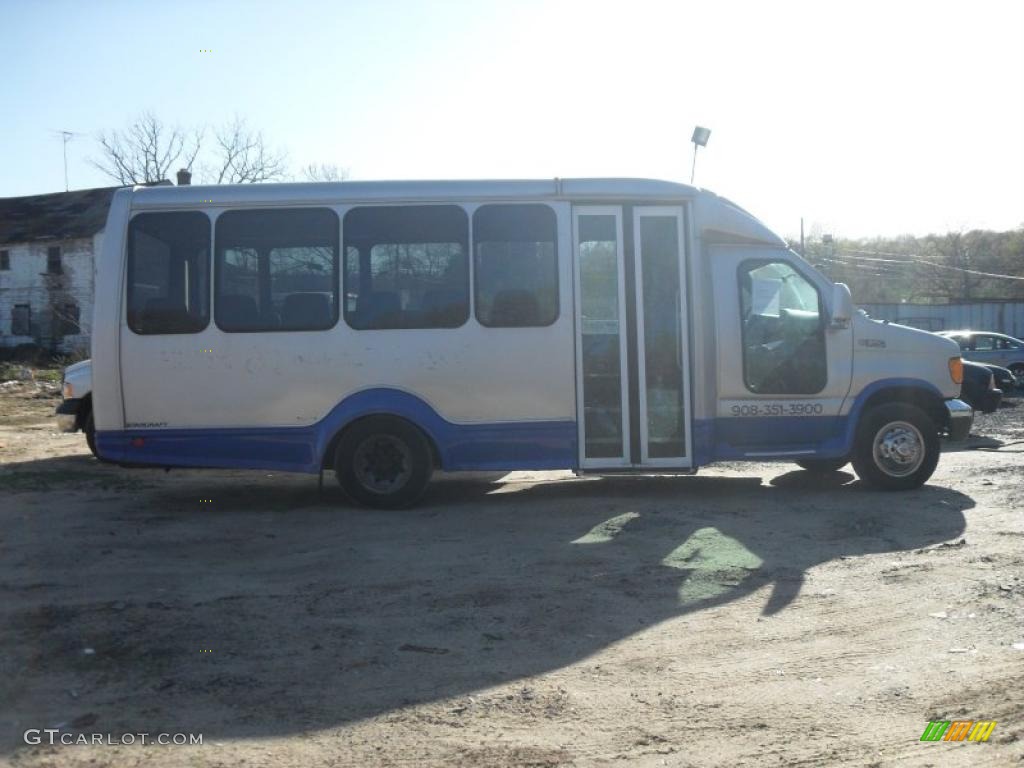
(184, 177)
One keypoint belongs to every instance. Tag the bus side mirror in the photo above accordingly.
(842, 306)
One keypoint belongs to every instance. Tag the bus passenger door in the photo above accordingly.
(632, 364)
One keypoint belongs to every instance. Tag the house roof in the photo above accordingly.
(57, 216)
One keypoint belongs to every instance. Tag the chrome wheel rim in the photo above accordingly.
(382, 464)
(899, 449)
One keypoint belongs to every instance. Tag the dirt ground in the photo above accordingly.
(748, 616)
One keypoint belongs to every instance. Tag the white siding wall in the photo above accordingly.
(27, 282)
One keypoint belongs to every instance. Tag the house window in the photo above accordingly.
(53, 264)
(21, 320)
(65, 320)
(5, 260)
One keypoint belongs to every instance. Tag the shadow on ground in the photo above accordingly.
(271, 609)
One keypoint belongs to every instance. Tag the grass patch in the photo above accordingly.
(51, 375)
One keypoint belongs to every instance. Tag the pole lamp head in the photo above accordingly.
(700, 136)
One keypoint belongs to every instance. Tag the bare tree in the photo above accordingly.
(243, 156)
(324, 172)
(938, 276)
(146, 150)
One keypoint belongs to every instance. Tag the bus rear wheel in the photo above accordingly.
(383, 462)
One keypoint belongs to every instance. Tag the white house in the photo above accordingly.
(47, 249)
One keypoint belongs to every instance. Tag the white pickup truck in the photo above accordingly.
(75, 411)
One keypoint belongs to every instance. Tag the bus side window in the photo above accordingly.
(516, 265)
(276, 270)
(406, 266)
(168, 273)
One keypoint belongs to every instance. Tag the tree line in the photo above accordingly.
(149, 150)
(956, 267)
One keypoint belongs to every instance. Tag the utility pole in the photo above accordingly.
(803, 253)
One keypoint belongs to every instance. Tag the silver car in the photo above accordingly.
(991, 348)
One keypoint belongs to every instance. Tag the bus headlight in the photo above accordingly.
(68, 390)
(956, 370)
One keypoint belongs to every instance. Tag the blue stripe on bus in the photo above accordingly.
(503, 445)
(494, 446)
(828, 437)
(731, 438)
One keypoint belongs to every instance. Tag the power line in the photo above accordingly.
(914, 260)
(862, 270)
(880, 253)
(973, 271)
(871, 258)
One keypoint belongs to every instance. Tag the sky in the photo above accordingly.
(864, 118)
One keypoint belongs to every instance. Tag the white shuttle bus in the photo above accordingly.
(387, 329)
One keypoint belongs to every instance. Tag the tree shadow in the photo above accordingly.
(273, 609)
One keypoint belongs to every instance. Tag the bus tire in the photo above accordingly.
(896, 447)
(383, 462)
(822, 466)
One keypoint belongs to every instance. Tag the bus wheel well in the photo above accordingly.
(327, 461)
(927, 401)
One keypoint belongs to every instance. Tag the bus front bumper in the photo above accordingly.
(960, 419)
(67, 415)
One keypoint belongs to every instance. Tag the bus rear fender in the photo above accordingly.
(394, 403)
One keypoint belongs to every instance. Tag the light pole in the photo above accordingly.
(699, 139)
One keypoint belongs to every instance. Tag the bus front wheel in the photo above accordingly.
(383, 462)
(896, 447)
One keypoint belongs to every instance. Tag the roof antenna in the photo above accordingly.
(699, 139)
(66, 136)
